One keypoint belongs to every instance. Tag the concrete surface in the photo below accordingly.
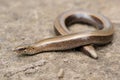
(27, 21)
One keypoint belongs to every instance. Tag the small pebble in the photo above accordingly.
(65, 60)
(61, 73)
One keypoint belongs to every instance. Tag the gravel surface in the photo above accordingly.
(27, 21)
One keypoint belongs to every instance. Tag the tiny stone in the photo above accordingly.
(65, 60)
(61, 73)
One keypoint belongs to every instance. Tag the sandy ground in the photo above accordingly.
(27, 21)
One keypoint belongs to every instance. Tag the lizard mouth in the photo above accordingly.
(20, 49)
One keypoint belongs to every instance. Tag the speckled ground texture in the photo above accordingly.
(27, 21)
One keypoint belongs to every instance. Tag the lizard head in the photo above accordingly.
(28, 50)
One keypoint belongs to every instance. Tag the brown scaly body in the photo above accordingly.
(67, 40)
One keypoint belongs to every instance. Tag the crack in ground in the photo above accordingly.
(12, 72)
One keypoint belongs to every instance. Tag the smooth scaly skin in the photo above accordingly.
(68, 40)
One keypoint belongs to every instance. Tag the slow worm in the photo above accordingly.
(68, 40)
